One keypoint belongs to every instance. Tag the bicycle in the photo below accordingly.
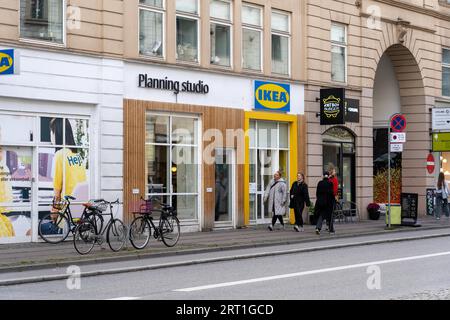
(90, 230)
(168, 229)
(55, 226)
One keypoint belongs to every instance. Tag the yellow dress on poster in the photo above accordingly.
(75, 171)
(6, 228)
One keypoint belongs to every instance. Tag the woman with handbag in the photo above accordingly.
(442, 193)
(299, 198)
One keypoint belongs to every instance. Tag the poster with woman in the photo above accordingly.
(50, 153)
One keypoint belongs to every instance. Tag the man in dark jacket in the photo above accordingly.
(324, 203)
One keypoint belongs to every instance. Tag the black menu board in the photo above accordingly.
(409, 205)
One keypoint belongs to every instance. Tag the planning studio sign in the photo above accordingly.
(146, 81)
(332, 106)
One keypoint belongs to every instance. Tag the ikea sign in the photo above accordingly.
(7, 61)
(272, 96)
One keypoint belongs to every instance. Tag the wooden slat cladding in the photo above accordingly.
(134, 151)
(134, 155)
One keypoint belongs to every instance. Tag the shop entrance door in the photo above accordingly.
(269, 152)
(339, 152)
(224, 205)
(16, 193)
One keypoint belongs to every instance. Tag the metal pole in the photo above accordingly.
(389, 173)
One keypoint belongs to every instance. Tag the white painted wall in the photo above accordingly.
(386, 95)
(63, 83)
(224, 90)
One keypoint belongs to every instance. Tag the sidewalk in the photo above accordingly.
(19, 257)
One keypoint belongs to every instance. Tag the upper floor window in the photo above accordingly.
(151, 28)
(446, 72)
(187, 30)
(42, 20)
(280, 42)
(252, 27)
(338, 52)
(220, 32)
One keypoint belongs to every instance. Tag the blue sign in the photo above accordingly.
(272, 96)
(7, 61)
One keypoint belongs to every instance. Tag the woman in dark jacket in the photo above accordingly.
(299, 198)
(324, 203)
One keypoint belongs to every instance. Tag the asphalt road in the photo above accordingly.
(416, 269)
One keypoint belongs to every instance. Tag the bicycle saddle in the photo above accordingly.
(69, 198)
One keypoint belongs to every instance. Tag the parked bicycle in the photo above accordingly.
(55, 226)
(168, 229)
(91, 229)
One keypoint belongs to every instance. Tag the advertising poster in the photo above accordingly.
(55, 158)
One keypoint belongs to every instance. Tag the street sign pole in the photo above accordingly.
(397, 123)
(389, 173)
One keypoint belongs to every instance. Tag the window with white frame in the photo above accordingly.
(446, 72)
(220, 32)
(42, 20)
(151, 28)
(281, 39)
(187, 30)
(338, 52)
(252, 31)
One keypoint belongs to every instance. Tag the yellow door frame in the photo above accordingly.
(293, 150)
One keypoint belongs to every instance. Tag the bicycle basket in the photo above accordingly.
(146, 207)
(102, 206)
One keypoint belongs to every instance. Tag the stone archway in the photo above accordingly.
(414, 104)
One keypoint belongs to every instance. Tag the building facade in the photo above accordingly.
(171, 100)
(197, 103)
(392, 57)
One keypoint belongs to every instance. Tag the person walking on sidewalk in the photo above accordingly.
(334, 180)
(442, 193)
(299, 197)
(276, 197)
(324, 203)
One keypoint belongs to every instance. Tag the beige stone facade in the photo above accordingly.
(412, 34)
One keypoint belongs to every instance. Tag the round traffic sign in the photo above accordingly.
(430, 163)
(398, 123)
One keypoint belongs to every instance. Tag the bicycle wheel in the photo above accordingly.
(116, 235)
(170, 230)
(84, 237)
(54, 227)
(140, 232)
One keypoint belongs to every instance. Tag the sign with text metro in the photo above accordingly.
(272, 96)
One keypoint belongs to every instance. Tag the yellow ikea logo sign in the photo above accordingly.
(272, 96)
(6, 61)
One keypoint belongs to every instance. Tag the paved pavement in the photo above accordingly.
(18, 257)
(415, 269)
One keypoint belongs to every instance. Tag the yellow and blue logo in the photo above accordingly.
(272, 96)
(7, 61)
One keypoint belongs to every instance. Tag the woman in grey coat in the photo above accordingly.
(276, 196)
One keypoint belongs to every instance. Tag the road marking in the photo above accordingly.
(125, 298)
(306, 273)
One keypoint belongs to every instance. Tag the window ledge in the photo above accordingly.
(42, 43)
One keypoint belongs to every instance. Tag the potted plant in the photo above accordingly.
(374, 211)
